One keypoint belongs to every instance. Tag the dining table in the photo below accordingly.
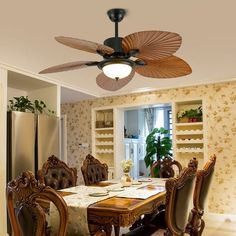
(109, 205)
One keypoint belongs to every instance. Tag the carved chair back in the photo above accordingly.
(178, 195)
(202, 186)
(56, 174)
(26, 215)
(193, 163)
(167, 167)
(93, 170)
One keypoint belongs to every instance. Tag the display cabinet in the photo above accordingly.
(188, 133)
(105, 132)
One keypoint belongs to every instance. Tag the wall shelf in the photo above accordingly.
(105, 143)
(189, 124)
(190, 150)
(189, 132)
(102, 129)
(104, 151)
(104, 136)
(189, 141)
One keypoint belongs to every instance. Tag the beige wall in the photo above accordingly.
(49, 95)
(12, 92)
(220, 123)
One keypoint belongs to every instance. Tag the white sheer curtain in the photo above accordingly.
(149, 120)
(154, 118)
(159, 118)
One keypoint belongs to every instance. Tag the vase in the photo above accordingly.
(126, 180)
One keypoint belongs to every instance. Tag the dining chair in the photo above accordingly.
(93, 170)
(57, 174)
(167, 167)
(26, 215)
(204, 177)
(193, 163)
(172, 220)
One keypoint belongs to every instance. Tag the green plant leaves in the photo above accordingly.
(23, 104)
(39, 106)
(191, 113)
(157, 146)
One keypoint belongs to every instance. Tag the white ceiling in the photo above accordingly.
(207, 27)
(27, 83)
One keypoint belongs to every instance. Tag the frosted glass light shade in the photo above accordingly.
(117, 70)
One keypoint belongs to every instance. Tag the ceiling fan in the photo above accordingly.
(148, 53)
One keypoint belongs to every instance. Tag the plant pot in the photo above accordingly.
(183, 119)
(126, 180)
(194, 119)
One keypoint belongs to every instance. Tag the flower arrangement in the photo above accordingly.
(193, 115)
(181, 113)
(127, 165)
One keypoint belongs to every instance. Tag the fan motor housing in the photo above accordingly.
(115, 43)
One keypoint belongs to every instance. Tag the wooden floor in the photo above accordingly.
(212, 229)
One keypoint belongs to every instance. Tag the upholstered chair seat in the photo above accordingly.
(93, 170)
(56, 174)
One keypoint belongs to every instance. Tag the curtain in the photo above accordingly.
(149, 114)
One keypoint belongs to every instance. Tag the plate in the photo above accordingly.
(145, 180)
(136, 182)
(98, 194)
(115, 190)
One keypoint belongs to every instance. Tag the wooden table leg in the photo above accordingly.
(108, 229)
(117, 230)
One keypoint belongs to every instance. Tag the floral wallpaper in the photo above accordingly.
(220, 123)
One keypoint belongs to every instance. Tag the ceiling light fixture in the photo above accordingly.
(116, 69)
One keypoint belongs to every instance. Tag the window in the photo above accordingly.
(169, 122)
(161, 117)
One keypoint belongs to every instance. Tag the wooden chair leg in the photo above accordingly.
(202, 227)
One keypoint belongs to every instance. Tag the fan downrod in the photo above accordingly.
(116, 14)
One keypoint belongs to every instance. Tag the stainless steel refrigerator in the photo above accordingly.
(31, 139)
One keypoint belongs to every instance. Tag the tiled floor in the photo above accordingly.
(212, 229)
(220, 228)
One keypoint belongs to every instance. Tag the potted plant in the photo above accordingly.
(195, 115)
(191, 115)
(23, 104)
(158, 146)
(182, 116)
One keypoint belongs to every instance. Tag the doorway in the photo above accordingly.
(138, 123)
